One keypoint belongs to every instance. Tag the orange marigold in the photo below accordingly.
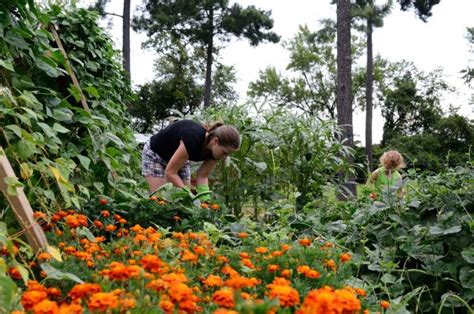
(103, 301)
(261, 250)
(328, 300)
(286, 295)
(285, 247)
(273, 268)
(243, 235)
(304, 242)
(31, 298)
(46, 307)
(180, 292)
(83, 290)
(152, 263)
(167, 306)
(384, 304)
(73, 308)
(157, 285)
(224, 297)
(213, 281)
(345, 257)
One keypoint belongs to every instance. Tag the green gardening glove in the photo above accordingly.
(203, 192)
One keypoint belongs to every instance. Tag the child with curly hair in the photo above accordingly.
(388, 174)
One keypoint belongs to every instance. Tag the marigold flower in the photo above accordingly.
(304, 242)
(243, 235)
(73, 308)
(167, 306)
(31, 298)
(277, 253)
(373, 196)
(53, 292)
(248, 263)
(261, 250)
(303, 269)
(205, 205)
(180, 292)
(273, 268)
(105, 213)
(345, 257)
(103, 301)
(46, 307)
(244, 255)
(384, 304)
(35, 285)
(110, 228)
(213, 281)
(174, 278)
(98, 224)
(331, 264)
(199, 250)
(83, 290)
(286, 295)
(285, 247)
(328, 300)
(127, 304)
(313, 274)
(224, 297)
(189, 256)
(286, 273)
(224, 311)
(103, 201)
(157, 285)
(39, 215)
(215, 206)
(14, 273)
(152, 263)
(239, 282)
(222, 259)
(360, 292)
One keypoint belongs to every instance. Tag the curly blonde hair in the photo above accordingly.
(392, 160)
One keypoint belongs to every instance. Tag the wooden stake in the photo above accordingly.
(69, 67)
(21, 207)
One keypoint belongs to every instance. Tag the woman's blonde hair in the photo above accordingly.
(227, 134)
(392, 160)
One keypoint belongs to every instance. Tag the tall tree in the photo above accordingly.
(311, 85)
(422, 7)
(99, 6)
(373, 16)
(412, 100)
(201, 23)
(468, 73)
(344, 79)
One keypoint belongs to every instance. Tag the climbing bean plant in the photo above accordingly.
(64, 152)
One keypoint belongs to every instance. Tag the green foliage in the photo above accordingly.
(281, 153)
(420, 241)
(63, 152)
(312, 88)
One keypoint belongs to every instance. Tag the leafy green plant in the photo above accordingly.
(64, 151)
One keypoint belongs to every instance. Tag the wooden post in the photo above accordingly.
(21, 207)
(69, 67)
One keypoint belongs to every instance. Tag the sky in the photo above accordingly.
(440, 42)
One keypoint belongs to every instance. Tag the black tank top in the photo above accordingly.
(166, 142)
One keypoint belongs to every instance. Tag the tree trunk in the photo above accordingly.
(209, 55)
(368, 97)
(126, 37)
(344, 83)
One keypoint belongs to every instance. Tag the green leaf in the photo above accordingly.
(63, 114)
(437, 230)
(26, 149)
(466, 276)
(468, 255)
(54, 273)
(16, 41)
(47, 68)
(92, 91)
(59, 128)
(82, 231)
(85, 161)
(15, 128)
(8, 291)
(12, 185)
(7, 65)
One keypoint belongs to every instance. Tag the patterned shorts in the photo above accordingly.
(154, 165)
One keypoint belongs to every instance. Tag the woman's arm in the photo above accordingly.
(177, 161)
(204, 171)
